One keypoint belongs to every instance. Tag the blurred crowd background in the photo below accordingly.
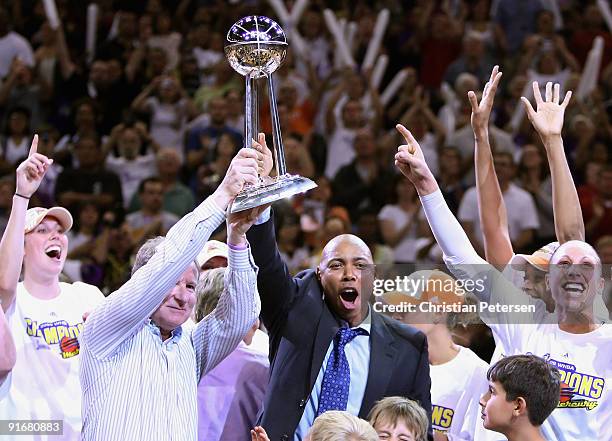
(143, 129)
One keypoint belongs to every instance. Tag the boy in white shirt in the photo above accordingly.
(523, 391)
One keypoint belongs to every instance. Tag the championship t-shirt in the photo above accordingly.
(456, 388)
(44, 384)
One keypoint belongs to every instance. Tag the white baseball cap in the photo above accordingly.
(213, 248)
(35, 216)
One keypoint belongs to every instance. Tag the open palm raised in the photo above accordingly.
(548, 119)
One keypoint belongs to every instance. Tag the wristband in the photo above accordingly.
(237, 247)
(22, 196)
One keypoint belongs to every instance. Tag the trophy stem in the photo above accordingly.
(248, 113)
(277, 139)
(255, 110)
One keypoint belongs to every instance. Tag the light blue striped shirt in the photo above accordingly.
(138, 387)
(358, 355)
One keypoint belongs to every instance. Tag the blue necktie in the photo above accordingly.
(337, 377)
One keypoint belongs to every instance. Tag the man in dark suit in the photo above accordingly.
(328, 348)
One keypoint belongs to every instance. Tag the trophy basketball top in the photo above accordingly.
(255, 45)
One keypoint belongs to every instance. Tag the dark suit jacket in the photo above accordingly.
(301, 328)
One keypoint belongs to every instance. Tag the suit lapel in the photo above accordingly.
(383, 351)
(327, 328)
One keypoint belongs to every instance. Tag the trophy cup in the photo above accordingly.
(255, 48)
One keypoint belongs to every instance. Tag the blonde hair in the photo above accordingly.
(208, 291)
(393, 409)
(336, 425)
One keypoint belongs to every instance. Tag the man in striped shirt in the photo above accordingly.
(141, 362)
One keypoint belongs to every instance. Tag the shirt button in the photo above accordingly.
(285, 437)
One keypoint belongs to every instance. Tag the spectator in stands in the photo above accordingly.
(209, 173)
(121, 44)
(364, 183)
(533, 175)
(297, 156)
(21, 89)
(35, 239)
(291, 245)
(86, 123)
(523, 392)
(169, 108)
(86, 226)
(311, 28)
(151, 217)
(90, 181)
(189, 74)
(522, 214)
(341, 137)
(478, 20)
(178, 199)
(473, 59)
(454, 114)
(398, 418)
(593, 26)
(234, 100)
(15, 142)
(368, 229)
(230, 395)
(451, 174)
(597, 210)
(130, 153)
(516, 20)
(401, 223)
(206, 132)
(47, 140)
(12, 46)
(301, 111)
(166, 38)
(439, 38)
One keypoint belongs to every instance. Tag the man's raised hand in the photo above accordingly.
(242, 171)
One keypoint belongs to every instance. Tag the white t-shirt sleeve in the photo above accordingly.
(467, 423)
(529, 214)
(386, 213)
(468, 208)
(90, 295)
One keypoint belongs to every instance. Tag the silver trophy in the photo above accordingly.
(255, 48)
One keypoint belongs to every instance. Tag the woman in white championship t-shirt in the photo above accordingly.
(458, 375)
(45, 317)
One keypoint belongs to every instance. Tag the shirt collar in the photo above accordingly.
(175, 336)
(366, 324)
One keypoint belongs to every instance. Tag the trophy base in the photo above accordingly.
(268, 192)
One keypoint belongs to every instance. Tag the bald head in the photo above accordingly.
(343, 241)
(346, 273)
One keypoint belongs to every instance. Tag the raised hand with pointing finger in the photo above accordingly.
(411, 162)
(31, 172)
